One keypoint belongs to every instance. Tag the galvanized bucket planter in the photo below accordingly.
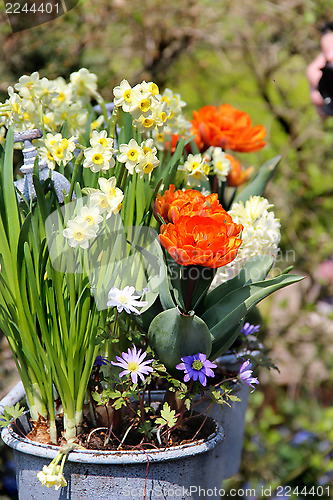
(179, 472)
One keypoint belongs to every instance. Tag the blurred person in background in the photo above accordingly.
(321, 99)
(321, 94)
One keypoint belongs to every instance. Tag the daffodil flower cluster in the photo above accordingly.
(52, 474)
(36, 102)
(144, 103)
(141, 158)
(177, 124)
(220, 165)
(84, 227)
(55, 149)
(196, 170)
(100, 157)
(260, 236)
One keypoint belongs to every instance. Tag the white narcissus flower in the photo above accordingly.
(56, 149)
(147, 146)
(108, 198)
(101, 139)
(51, 475)
(28, 86)
(260, 236)
(75, 114)
(125, 300)
(122, 95)
(147, 164)
(84, 83)
(221, 164)
(64, 93)
(90, 215)
(141, 103)
(196, 169)
(160, 138)
(130, 154)
(98, 158)
(79, 232)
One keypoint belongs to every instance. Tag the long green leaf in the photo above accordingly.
(9, 194)
(232, 308)
(255, 269)
(257, 186)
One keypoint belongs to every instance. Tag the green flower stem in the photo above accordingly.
(113, 122)
(121, 180)
(77, 163)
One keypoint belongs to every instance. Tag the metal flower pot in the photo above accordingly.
(228, 453)
(179, 472)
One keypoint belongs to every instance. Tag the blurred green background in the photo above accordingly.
(252, 55)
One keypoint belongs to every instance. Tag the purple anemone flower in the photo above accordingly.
(197, 367)
(99, 361)
(133, 363)
(245, 374)
(250, 329)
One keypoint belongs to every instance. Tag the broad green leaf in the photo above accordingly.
(226, 338)
(255, 269)
(231, 309)
(257, 186)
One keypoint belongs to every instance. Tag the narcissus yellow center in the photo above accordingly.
(132, 154)
(103, 203)
(89, 219)
(59, 152)
(197, 174)
(147, 122)
(127, 95)
(163, 116)
(98, 158)
(147, 150)
(103, 141)
(160, 137)
(148, 168)
(153, 88)
(111, 192)
(144, 105)
(78, 235)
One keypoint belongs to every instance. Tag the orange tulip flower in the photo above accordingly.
(169, 205)
(209, 241)
(227, 128)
